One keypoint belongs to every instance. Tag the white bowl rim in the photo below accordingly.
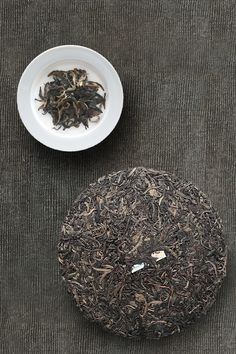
(66, 142)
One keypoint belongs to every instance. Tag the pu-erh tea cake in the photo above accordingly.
(142, 253)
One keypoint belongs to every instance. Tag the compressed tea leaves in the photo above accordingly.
(142, 252)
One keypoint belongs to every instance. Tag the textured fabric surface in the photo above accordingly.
(176, 60)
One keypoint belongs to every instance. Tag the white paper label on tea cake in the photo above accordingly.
(137, 267)
(158, 255)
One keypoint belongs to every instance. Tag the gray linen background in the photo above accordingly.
(177, 62)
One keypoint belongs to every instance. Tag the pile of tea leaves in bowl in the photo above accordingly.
(71, 99)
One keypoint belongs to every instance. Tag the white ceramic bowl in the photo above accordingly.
(64, 58)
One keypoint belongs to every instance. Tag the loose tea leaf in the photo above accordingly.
(142, 253)
(71, 99)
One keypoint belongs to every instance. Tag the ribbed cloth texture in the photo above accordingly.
(177, 62)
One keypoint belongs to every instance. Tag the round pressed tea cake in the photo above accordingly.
(142, 252)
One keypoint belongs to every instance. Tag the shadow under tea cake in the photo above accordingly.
(142, 253)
